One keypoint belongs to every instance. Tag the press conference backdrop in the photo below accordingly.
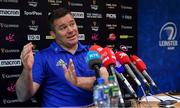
(104, 22)
(159, 41)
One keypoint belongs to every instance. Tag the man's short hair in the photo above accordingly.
(57, 13)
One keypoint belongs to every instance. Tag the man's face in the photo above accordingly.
(65, 31)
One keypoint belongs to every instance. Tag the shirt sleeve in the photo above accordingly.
(38, 72)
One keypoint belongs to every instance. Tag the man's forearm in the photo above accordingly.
(86, 82)
(24, 86)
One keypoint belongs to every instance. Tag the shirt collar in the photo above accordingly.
(58, 48)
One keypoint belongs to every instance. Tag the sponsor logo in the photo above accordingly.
(81, 37)
(125, 36)
(125, 27)
(112, 37)
(33, 27)
(3, 50)
(32, 3)
(123, 48)
(80, 26)
(111, 16)
(94, 27)
(32, 13)
(11, 88)
(55, 2)
(35, 51)
(8, 101)
(111, 26)
(111, 6)
(10, 62)
(167, 36)
(95, 37)
(33, 37)
(7, 76)
(94, 15)
(9, 1)
(126, 7)
(4, 25)
(9, 12)
(10, 37)
(94, 6)
(126, 17)
(78, 14)
(110, 46)
(75, 4)
(49, 37)
(128, 47)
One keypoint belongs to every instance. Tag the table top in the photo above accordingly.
(155, 100)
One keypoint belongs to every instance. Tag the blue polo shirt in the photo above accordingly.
(56, 91)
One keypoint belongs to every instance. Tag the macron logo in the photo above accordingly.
(9, 12)
(10, 62)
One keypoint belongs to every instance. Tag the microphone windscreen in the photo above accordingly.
(93, 58)
(122, 57)
(108, 57)
(96, 48)
(138, 63)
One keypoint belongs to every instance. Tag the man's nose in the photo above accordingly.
(70, 29)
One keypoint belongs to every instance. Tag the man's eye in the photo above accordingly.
(72, 24)
(63, 28)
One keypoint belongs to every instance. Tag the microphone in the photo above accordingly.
(94, 61)
(96, 48)
(119, 73)
(109, 61)
(142, 68)
(124, 60)
(137, 72)
(124, 49)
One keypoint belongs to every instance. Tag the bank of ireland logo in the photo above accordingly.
(167, 36)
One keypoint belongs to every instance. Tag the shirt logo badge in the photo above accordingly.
(60, 62)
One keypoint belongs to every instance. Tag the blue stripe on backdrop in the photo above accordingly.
(159, 41)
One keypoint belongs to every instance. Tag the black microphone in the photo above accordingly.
(124, 49)
(142, 68)
(124, 60)
(94, 61)
(139, 74)
(119, 72)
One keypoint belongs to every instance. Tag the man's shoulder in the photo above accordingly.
(84, 46)
(45, 51)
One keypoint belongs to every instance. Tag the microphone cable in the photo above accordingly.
(167, 94)
(144, 96)
(171, 96)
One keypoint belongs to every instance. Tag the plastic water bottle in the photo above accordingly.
(114, 92)
(106, 96)
(98, 94)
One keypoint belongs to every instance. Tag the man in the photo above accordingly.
(59, 70)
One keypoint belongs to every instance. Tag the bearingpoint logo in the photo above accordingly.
(78, 14)
(10, 62)
(9, 12)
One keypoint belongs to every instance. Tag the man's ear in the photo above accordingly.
(52, 34)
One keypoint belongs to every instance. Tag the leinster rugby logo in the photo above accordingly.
(167, 36)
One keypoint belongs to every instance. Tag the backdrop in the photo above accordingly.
(104, 22)
(158, 41)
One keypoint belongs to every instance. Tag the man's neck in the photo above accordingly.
(71, 49)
